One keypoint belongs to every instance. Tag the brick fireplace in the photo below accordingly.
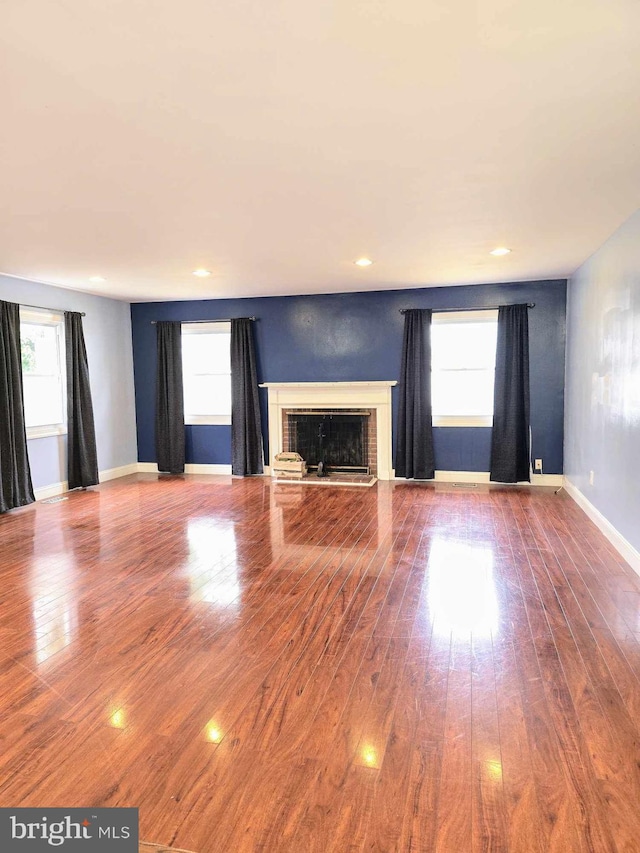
(371, 401)
(349, 437)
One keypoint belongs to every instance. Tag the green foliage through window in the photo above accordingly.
(28, 349)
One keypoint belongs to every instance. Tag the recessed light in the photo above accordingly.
(97, 278)
(363, 262)
(201, 273)
(501, 250)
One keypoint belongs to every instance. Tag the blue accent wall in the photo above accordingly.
(206, 445)
(358, 337)
(462, 449)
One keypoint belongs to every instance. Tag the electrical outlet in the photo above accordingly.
(591, 478)
(538, 465)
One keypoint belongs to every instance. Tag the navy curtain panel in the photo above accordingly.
(169, 398)
(510, 454)
(246, 428)
(82, 457)
(414, 446)
(16, 488)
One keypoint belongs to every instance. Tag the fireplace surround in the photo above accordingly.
(372, 397)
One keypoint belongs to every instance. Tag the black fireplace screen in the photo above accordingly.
(336, 438)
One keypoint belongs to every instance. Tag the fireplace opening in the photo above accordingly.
(339, 439)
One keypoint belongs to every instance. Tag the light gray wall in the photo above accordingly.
(107, 332)
(602, 405)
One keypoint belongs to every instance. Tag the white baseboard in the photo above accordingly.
(482, 477)
(52, 491)
(555, 480)
(462, 477)
(147, 468)
(208, 469)
(114, 473)
(152, 468)
(55, 489)
(622, 545)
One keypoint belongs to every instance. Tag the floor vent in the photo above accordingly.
(54, 500)
(466, 485)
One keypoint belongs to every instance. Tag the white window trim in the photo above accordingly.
(207, 420)
(221, 327)
(464, 316)
(443, 317)
(44, 317)
(463, 420)
(46, 431)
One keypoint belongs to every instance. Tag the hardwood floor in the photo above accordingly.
(279, 668)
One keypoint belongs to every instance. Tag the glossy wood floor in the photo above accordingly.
(281, 668)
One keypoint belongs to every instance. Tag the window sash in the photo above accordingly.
(207, 386)
(37, 384)
(466, 373)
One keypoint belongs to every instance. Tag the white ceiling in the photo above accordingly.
(276, 141)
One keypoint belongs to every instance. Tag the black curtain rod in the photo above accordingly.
(477, 308)
(45, 308)
(217, 320)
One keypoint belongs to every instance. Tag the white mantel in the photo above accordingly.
(334, 395)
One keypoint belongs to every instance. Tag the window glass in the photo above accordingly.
(43, 372)
(463, 354)
(206, 372)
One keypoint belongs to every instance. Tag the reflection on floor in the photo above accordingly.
(272, 668)
(332, 478)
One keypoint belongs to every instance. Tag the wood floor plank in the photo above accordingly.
(587, 804)
(268, 667)
(454, 828)
(488, 797)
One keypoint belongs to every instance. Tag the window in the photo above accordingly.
(206, 372)
(43, 372)
(463, 359)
